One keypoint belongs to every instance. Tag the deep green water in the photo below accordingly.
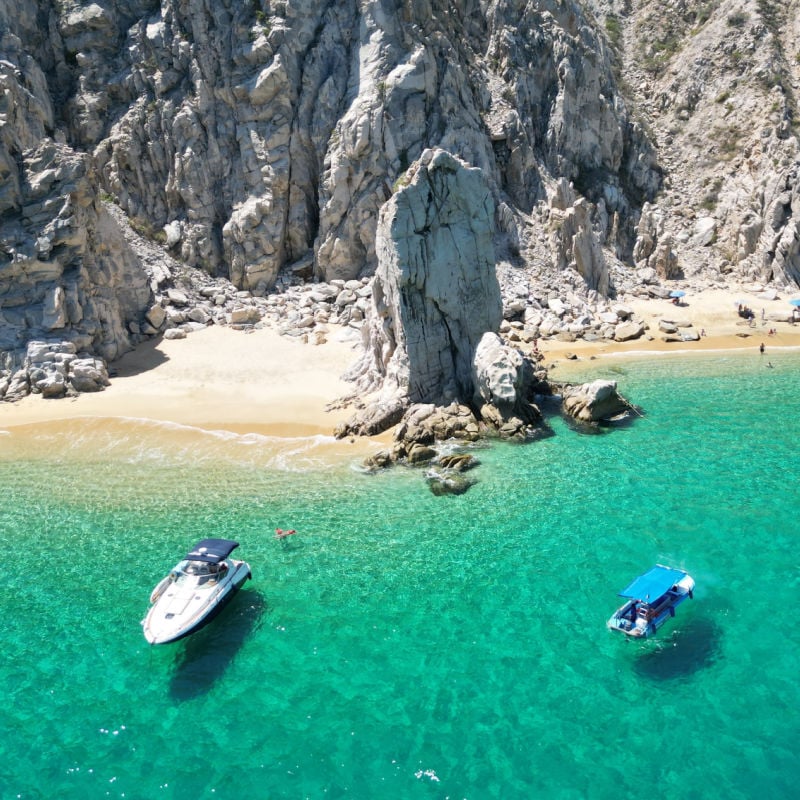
(404, 645)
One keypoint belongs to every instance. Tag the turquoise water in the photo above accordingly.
(404, 645)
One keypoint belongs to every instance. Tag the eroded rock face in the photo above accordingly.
(65, 268)
(258, 139)
(435, 292)
(260, 134)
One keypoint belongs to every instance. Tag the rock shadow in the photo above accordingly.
(207, 654)
(692, 647)
(142, 358)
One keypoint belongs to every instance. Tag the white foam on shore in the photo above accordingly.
(745, 351)
(141, 440)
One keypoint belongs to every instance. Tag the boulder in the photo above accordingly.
(459, 462)
(705, 229)
(420, 454)
(628, 330)
(156, 315)
(88, 375)
(375, 419)
(428, 423)
(448, 483)
(594, 402)
(498, 371)
(245, 315)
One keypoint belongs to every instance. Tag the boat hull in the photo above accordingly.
(179, 611)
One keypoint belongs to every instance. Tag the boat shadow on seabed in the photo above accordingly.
(203, 657)
(691, 647)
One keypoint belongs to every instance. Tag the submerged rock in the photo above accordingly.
(443, 484)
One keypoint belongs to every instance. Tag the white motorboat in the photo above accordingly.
(195, 591)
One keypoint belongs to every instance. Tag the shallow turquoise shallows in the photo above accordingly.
(404, 645)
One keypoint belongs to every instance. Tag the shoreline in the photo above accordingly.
(712, 311)
(217, 378)
(262, 383)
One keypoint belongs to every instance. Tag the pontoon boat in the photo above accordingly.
(652, 600)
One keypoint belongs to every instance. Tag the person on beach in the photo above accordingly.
(761, 348)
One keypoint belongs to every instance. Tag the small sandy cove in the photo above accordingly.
(267, 383)
(713, 313)
(216, 378)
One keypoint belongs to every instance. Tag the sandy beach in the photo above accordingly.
(713, 313)
(217, 378)
(262, 382)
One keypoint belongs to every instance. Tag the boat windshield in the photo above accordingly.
(200, 572)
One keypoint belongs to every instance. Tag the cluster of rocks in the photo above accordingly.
(302, 310)
(273, 166)
(418, 442)
(54, 369)
(439, 438)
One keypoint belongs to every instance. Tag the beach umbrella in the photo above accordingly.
(677, 293)
(795, 302)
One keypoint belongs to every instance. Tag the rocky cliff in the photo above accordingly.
(623, 144)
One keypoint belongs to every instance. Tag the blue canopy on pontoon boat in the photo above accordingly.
(653, 583)
(212, 550)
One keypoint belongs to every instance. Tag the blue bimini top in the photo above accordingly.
(653, 584)
(212, 551)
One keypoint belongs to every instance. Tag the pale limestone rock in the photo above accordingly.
(49, 383)
(245, 315)
(200, 315)
(705, 229)
(177, 297)
(173, 233)
(576, 245)
(53, 313)
(628, 330)
(257, 142)
(665, 261)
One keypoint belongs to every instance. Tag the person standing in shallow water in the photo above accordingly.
(761, 348)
